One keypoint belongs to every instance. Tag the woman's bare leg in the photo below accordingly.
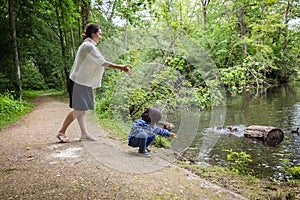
(82, 123)
(83, 128)
(80, 116)
(69, 119)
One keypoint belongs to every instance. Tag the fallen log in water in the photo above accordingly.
(166, 125)
(267, 134)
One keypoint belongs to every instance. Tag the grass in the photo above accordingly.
(245, 185)
(11, 109)
(116, 130)
(248, 186)
(28, 95)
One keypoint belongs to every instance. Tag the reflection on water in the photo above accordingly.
(278, 107)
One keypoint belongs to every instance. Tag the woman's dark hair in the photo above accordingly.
(92, 28)
(151, 115)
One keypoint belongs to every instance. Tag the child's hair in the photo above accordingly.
(151, 115)
(145, 116)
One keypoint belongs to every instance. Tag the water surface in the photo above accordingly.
(276, 106)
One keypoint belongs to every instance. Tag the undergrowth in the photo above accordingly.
(246, 185)
(11, 109)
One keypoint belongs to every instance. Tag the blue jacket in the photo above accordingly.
(141, 125)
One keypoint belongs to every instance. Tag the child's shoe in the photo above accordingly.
(144, 152)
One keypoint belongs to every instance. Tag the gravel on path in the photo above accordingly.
(34, 165)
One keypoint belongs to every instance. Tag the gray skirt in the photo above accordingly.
(81, 97)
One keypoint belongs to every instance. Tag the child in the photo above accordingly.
(143, 131)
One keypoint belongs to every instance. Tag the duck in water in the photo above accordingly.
(295, 131)
(233, 129)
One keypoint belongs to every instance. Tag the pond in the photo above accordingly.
(276, 106)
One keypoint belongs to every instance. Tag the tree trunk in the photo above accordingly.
(84, 13)
(112, 13)
(243, 28)
(73, 42)
(62, 46)
(263, 7)
(128, 2)
(204, 9)
(15, 47)
(261, 39)
(263, 23)
(286, 21)
(269, 135)
(72, 38)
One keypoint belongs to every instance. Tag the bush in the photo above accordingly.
(11, 109)
(161, 141)
(291, 172)
(294, 172)
(31, 78)
(238, 161)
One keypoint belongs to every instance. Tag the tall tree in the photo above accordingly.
(241, 12)
(286, 21)
(85, 7)
(15, 46)
(59, 18)
(204, 9)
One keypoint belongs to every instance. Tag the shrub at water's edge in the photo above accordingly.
(234, 178)
(245, 185)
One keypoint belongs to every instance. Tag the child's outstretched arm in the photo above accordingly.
(173, 135)
(164, 132)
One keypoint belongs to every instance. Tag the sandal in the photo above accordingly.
(87, 137)
(63, 138)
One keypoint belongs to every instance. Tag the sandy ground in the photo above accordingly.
(34, 165)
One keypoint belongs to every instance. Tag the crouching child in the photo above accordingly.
(143, 131)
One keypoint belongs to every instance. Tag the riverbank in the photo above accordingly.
(35, 166)
(247, 186)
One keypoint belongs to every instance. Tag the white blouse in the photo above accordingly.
(89, 65)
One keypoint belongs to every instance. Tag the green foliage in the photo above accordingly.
(294, 172)
(11, 109)
(5, 82)
(161, 141)
(248, 186)
(31, 78)
(238, 161)
(151, 85)
(30, 94)
(252, 73)
(291, 172)
(171, 86)
(45, 30)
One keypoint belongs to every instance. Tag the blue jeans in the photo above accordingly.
(141, 140)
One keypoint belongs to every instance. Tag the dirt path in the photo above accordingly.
(33, 165)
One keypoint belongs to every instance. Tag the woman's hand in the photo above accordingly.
(126, 69)
(173, 135)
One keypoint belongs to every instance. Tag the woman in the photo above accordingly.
(86, 75)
